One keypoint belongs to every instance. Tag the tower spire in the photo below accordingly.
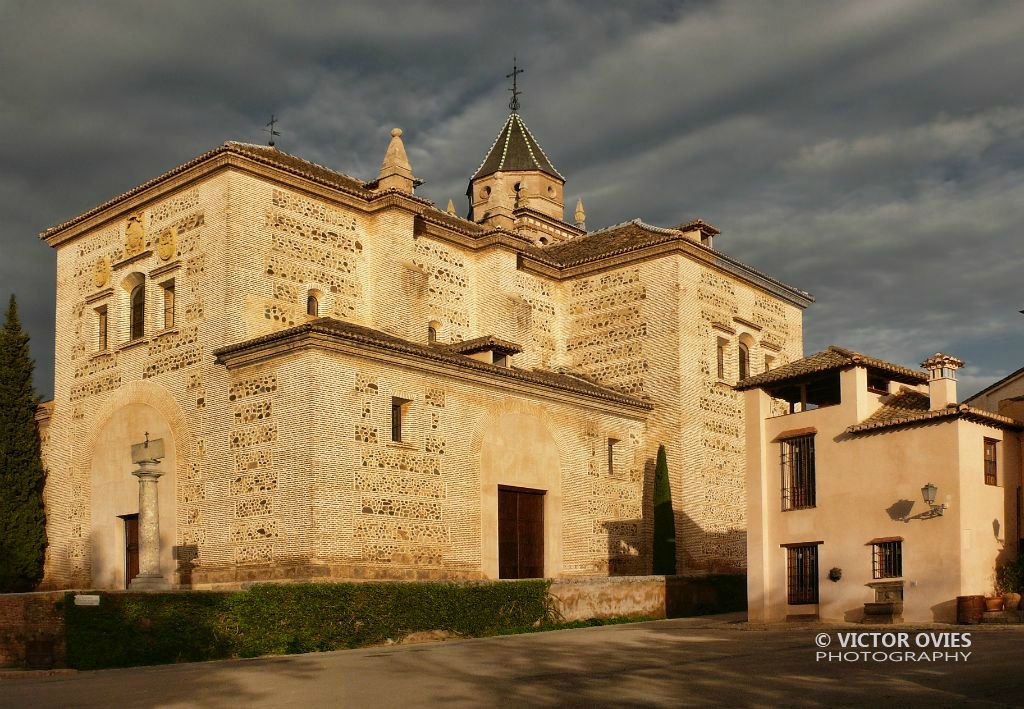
(513, 105)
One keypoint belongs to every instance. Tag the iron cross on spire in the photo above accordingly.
(514, 103)
(270, 130)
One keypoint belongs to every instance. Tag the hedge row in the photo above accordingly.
(146, 629)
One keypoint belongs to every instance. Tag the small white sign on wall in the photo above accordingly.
(87, 600)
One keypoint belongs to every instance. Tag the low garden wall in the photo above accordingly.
(32, 629)
(125, 629)
(653, 596)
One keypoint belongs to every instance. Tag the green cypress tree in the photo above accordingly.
(22, 519)
(664, 520)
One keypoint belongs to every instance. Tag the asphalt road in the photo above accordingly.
(672, 663)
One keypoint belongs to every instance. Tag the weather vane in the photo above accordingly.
(514, 103)
(270, 130)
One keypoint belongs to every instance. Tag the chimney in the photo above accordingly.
(941, 379)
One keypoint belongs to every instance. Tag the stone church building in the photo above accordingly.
(352, 383)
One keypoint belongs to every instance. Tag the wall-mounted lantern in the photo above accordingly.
(928, 493)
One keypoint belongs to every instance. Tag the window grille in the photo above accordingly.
(802, 574)
(887, 560)
(798, 487)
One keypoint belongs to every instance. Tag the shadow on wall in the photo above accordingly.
(630, 542)
(899, 511)
(185, 556)
(713, 552)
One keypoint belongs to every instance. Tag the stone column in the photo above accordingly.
(149, 578)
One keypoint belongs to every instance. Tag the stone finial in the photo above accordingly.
(451, 207)
(581, 215)
(395, 171)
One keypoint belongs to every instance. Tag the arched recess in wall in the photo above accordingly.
(518, 449)
(132, 305)
(746, 347)
(135, 409)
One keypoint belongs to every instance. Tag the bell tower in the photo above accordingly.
(516, 187)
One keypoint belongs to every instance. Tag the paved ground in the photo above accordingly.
(677, 663)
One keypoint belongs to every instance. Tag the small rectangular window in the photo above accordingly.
(887, 560)
(398, 410)
(168, 304)
(802, 574)
(722, 343)
(798, 486)
(611, 455)
(991, 462)
(769, 362)
(101, 328)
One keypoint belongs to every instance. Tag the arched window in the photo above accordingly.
(138, 312)
(431, 334)
(312, 305)
(744, 361)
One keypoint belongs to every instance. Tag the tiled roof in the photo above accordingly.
(297, 165)
(259, 153)
(636, 235)
(995, 385)
(911, 407)
(487, 342)
(832, 359)
(515, 148)
(350, 332)
(605, 242)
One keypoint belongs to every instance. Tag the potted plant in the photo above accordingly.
(1010, 583)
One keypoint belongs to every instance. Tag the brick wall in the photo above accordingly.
(30, 618)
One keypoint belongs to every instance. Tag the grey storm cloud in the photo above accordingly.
(868, 152)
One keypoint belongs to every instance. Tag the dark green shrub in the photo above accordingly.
(140, 629)
(664, 519)
(1010, 577)
(22, 520)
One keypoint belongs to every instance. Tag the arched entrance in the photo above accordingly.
(135, 410)
(520, 496)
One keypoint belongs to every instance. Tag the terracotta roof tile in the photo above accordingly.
(260, 153)
(832, 359)
(487, 342)
(363, 335)
(910, 407)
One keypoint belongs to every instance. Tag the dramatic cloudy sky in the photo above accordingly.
(868, 152)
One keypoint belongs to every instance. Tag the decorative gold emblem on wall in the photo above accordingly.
(168, 243)
(101, 272)
(134, 235)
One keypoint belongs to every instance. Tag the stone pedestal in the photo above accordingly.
(149, 578)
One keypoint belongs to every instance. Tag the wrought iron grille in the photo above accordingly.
(802, 574)
(798, 473)
(888, 560)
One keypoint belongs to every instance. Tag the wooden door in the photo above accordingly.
(520, 533)
(131, 548)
